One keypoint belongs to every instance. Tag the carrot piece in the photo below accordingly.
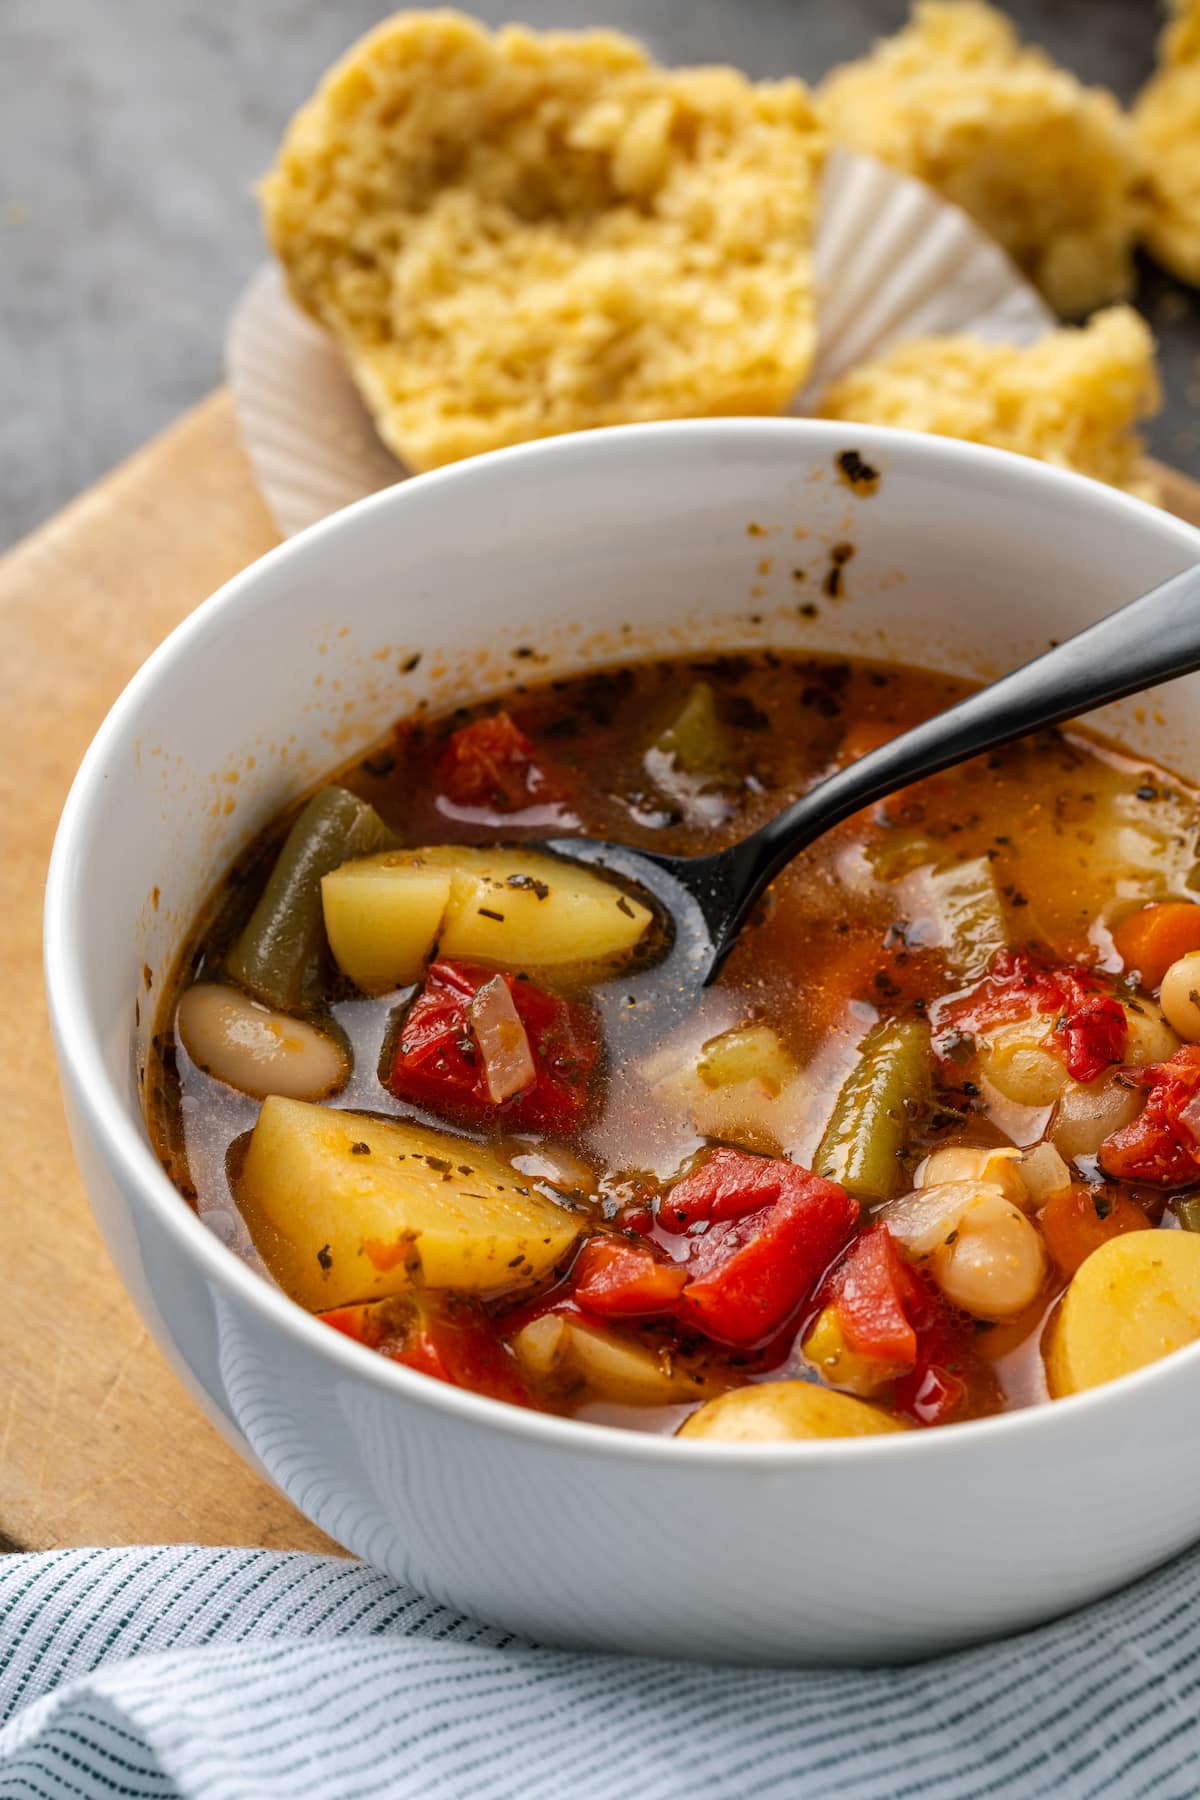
(1078, 1220)
(1151, 939)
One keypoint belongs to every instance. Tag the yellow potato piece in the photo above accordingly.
(1134, 1300)
(828, 1350)
(336, 1222)
(527, 911)
(571, 1355)
(782, 1411)
(382, 915)
(512, 234)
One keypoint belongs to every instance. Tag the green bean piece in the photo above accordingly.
(1187, 1211)
(867, 1133)
(284, 932)
(970, 915)
(697, 739)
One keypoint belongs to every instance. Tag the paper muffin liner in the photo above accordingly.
(893, 261)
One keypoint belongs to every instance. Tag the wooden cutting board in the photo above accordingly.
(98, 1443)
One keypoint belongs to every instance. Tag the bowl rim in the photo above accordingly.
(118, 1130)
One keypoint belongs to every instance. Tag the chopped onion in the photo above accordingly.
(508, 1065)
(1044, 1172)
(557, 1167)
(1090, 1111)
(923, 1220)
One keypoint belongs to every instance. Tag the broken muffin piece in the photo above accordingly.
(516, 234)
(1166, 119)
(1050, 168)
(1074, 398)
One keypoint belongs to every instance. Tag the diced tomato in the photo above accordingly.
(936, 1387)
(452, 1340)
(1088, 1027)
(1163, 1143)
(891, 1312)
(1094, 1036)
(1155, 936)
(728, 1184)
(1078, 1220)
(436, 1062)
(867, 1290)
(774, 1230)
(491, 763)
(616, 1279)
(930, 1395)
(635, 1218)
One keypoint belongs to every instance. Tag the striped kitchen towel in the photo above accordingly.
(247, 1675)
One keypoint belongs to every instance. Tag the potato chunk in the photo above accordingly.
(1134, 1300)
(780, 1411)
(529, 911)
(382, 915)
(344, 1207)
(512, 907)
(572, 1357)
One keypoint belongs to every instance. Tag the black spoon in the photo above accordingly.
(709, 898)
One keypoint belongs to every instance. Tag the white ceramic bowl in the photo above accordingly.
(649, 538)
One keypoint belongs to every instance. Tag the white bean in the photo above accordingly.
(260, 1052)
(1180, 996)
(994, 1264)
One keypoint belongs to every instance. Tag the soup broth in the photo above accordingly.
(869, 1161)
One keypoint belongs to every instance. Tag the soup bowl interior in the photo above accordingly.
(539, 561)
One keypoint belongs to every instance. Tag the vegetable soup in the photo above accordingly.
(928, 1149)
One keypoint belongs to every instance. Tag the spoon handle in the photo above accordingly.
(1151, 640)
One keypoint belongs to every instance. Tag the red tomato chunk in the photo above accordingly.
(891, 1313)
(436, 1062)
(936, 1388)
(1089, 1029)
(1163, 1143)
(453, 1341)
(616, 1279)
(491, 763)
(770, 1230)
(868, 1290)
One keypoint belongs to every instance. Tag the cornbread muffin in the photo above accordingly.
(1167, 122)
(1050, 168)
(517, 234)
(1072, 399)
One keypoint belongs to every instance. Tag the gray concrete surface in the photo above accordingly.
(131, 132)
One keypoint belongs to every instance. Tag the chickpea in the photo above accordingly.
(261, 1052)
(1017, 1064)
(1179, 996)
(994, 1263)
